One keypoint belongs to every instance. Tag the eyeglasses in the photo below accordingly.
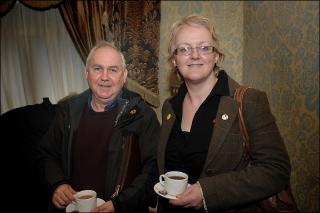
(203, 50)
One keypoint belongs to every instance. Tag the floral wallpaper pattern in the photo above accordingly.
(272, 46)
(281, 57)
(135, 26)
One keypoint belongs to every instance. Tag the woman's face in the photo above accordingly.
(198, 65)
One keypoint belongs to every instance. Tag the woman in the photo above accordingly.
(200, 131)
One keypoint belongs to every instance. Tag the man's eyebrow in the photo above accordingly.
(96, 65)
(113, 66)
(109, 67)
(102, 66)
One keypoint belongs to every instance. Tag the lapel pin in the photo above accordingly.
(224, 117)
(133, 111)
(168, 117)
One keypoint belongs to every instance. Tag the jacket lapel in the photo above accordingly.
(168, 119)
(226, 115)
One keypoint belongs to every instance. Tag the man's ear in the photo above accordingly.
(125, 75)
(86, 72)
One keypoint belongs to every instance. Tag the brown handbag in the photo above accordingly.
(130, 165)
(283, 201)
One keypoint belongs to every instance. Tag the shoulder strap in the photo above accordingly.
(238, 96)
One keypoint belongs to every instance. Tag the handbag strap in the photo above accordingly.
(238, 96)
(284, 200)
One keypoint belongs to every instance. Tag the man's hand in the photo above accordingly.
(191, 198)
(62, 196)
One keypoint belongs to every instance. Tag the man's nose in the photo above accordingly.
(105, 75)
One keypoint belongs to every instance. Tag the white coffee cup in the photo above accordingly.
(85, 200)
(174, 182)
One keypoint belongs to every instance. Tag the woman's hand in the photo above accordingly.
(191, 198)
(62, 196)
(105, 207)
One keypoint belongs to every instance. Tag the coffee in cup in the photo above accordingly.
(174, 182)
(85, 200)
(85, 197)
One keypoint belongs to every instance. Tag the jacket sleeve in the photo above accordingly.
(51, 149)
(269, 170)
(140, 192)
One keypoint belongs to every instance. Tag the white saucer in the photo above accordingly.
(71, 207)
(158, 187)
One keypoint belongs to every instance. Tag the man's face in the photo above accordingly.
(105, 74)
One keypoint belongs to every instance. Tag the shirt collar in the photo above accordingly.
(110, 105)
(221, 89)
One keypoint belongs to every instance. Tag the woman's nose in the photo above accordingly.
(194, 53)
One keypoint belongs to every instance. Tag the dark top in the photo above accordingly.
(226, 177)
(90, 148)
(187, 151)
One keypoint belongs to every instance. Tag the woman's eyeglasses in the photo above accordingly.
(203, 50)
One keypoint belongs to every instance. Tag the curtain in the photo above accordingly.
(135, 27)
(83, 20)
(38, 58)
(7, 5)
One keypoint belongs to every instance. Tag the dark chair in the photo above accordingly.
(21, 131)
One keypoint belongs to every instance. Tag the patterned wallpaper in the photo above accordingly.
(272, 46)
(281, 57)
(222, 14)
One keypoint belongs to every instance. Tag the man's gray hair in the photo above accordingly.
(105, 44)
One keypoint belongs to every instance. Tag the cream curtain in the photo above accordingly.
(38, 58)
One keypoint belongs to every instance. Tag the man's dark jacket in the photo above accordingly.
(134, 117)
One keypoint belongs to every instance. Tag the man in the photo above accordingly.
(84, 146)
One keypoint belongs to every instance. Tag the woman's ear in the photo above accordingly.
(174, 62)
(216, 58)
